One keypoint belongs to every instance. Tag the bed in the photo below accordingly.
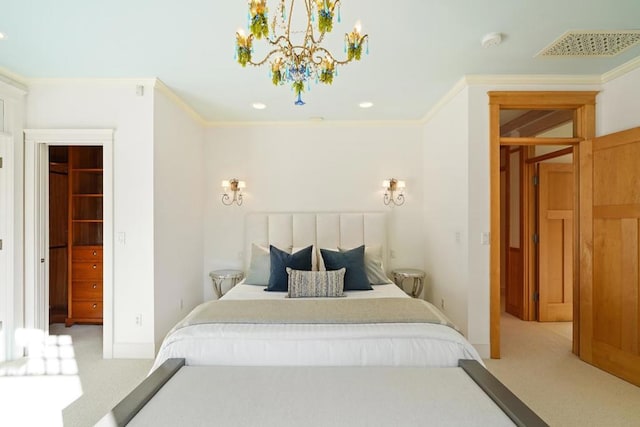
(385, 338)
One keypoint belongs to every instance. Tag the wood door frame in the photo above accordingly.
(583, 102)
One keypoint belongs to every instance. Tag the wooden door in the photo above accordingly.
(609, 257)
(514, 292)
(555, 248)
(58, 243)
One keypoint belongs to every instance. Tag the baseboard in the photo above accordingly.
(133, 351)
(484, 350)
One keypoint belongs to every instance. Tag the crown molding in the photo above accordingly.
(448, 97)
(533, 79)
(181, 103)
(510, 79)
(92, 81)
(307, 123)
(15, 83)
(620, 71)
(20, 85)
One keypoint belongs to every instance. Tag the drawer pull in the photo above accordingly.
(95, 306)
(95, 286)
(95, 266)
(95, 253)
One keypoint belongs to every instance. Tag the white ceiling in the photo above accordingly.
(418, 50)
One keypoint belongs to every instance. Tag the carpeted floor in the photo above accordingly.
(537, 365)
(104, 381)
(65, 381)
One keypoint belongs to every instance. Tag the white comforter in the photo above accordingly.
(388, 344)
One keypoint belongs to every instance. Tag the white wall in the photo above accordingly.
(114, 104)
(618, 104)
(326, 167)
(446, 208)
(178, 171)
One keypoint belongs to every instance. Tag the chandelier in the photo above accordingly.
(301, 61)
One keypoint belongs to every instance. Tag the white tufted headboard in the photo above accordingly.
(325, 230)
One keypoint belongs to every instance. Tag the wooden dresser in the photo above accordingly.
(85, 235)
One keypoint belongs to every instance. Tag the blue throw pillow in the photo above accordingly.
(280, 260)
(355, 279)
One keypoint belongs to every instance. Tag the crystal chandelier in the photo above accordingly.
(301, 61)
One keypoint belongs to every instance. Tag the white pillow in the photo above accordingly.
(259, 266)
(373, 265)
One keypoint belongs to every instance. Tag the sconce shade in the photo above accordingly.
(234, 186)
(394, 191)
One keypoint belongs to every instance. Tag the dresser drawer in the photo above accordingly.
(86, 309)
(87, 253)
(86, 289)
(86, 271)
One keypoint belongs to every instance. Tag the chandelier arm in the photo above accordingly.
(335, 61)
(289, 20)
(308, 37)
(327, 53)
(266, 58)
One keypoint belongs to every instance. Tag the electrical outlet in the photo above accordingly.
(393, 253)
(138, 319)
(181, 304)
(442, 303)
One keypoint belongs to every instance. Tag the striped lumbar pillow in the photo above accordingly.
(316, 283)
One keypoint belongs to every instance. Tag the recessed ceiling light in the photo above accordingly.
(259, 105)
(2, 36)
(366, 104)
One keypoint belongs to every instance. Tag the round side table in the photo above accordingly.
(219, 276)
(402, 274)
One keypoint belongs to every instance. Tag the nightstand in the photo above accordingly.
(219, 276)
(417, 276)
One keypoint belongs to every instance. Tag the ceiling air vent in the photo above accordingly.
(591, 43)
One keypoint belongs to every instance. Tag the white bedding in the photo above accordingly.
(377, 344)
(242, 291)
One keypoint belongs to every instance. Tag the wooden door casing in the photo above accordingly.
(610, 255)
(555, 248)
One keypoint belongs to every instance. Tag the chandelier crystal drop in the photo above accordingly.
(297, 62)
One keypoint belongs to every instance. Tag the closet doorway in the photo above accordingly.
(89, 171)
(75, 235)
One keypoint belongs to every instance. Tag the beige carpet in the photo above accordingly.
(65, 381)
(538, 366)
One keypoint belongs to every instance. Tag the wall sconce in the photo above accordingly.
(391, 187)
(235, 186)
